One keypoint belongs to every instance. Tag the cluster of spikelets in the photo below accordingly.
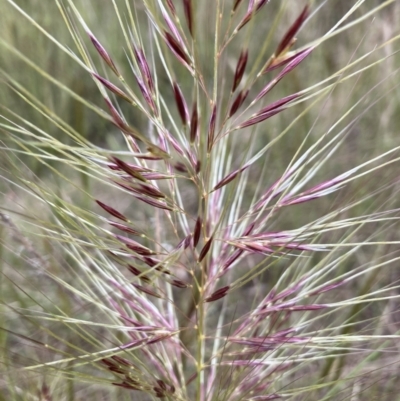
(177, 304)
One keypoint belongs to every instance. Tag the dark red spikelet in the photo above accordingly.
(134, 246)
(174, 142)
(251, 12)
(248, 230)
(236, 5)
(194, 124)
(184, 243)
(179, 284)
(289, 36)
(198, 166)
(147, 290)
(151, 191)
(110, 86)
(127, 386)
(124, 228)
(197, 231)
(260, 4)
(116, 117)
(144, 68)
(205, 249)
(107, 362)
(162, 384)
(240, 98)
(122, 361)
(211, 129)
(281, 61)
(129, 169)
(230, 177)
(112, 211)
(262, 117)
(240, 67)
(153, 202)
(278, 103)
(157, 151)
(171, 7)
(181, 104)
(191, 378)
(217, 294)
(180, 167)
(103, 53)
(138, 273)
(187, 7)
(176, 48)
(235, 255)
(147, 95)
(187, 241)
(45, 393)
(291, 66)
(269, 111)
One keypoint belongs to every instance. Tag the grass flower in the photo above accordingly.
(207, 208)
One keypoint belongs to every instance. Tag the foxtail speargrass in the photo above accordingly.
(199, 200)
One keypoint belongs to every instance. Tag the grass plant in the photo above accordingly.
(199, 200)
